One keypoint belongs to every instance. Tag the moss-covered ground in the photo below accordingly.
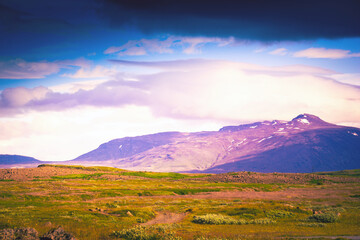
(92, 205)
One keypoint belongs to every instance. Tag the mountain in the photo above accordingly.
(304, 144)
(128, 146)
(8, 161)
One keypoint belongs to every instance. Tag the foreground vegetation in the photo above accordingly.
(109, 203)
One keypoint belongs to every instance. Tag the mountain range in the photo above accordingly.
(304, 144)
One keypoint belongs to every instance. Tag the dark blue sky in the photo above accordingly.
(61, 29)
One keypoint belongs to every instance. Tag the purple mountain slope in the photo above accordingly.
(304, 144)
(127, 147)
(310, 151)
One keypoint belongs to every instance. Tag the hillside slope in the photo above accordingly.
(304, 144)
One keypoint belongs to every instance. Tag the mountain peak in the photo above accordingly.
(302, 121)
(308, 119)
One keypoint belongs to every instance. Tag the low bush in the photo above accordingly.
(214, 238)
(157, 175)
(146, 233)
(311, 225)
(262, 221)
(187, 191)
(111, 205)
(245, 210)
(217, 219)
(145, 193)
(317, 181)
(278, 214)
(324, 218)
(94, 176)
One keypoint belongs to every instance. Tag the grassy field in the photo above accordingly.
(109, 203)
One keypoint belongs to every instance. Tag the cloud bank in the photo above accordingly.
(279, 51)
(325, 53)
(21, 69)
(213, 90)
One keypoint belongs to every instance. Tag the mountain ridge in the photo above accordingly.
(246, 145)
(304, 144)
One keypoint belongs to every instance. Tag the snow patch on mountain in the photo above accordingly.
(353, 133)
(304, 121)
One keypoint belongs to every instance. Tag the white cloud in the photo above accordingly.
(325, 53)
(91, 73)
(21, 69)
(348, 78)
(133, 51)
(188, 45)
(74, 87)
(193, 45)
(20, 96)
(279, 51)
(260, 50)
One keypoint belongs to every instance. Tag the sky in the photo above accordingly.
(76, 74)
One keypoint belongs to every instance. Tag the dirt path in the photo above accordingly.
(165, 217)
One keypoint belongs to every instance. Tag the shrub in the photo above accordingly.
(244, 210)
(336, 210)
(217, 219)
(262, 221)
(324, 218)
(317, 181)
(187, 191)
(146, 233)
(111, 205)
(145, 193)
(278, 214)
(136, 233)
(140, 220)
(213, 238)
(311, 225)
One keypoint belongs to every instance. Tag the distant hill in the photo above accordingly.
(7, 161)
(304, 144)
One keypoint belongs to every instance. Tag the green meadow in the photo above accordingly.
(110, 203)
